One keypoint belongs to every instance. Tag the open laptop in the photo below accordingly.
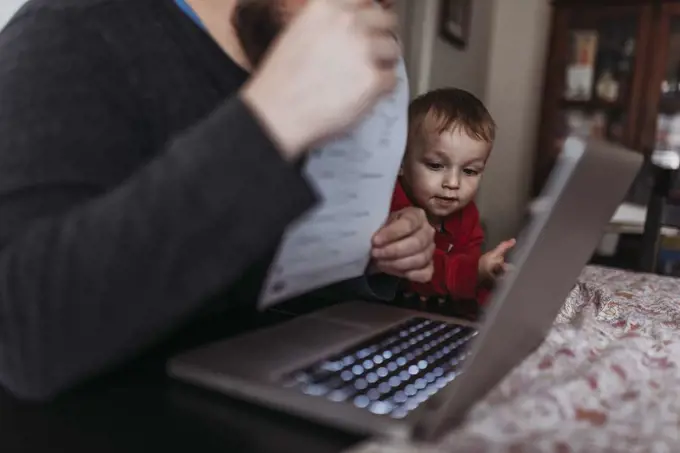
(378, 369)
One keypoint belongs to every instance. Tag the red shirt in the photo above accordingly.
(456, 257)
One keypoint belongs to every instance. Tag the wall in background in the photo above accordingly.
(465, 68)
(416, 35)
(514, 88)
(432, 61)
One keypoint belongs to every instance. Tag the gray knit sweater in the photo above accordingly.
(134, 185)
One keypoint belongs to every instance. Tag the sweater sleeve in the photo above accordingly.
(456, 272)
(375, 287)
(102, 252)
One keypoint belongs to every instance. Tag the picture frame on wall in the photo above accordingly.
(454, 21)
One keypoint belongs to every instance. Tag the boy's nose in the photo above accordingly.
(452, 182)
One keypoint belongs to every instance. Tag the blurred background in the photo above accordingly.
(545, 69)
(500, 59)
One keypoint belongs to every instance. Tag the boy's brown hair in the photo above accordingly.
(447, 109)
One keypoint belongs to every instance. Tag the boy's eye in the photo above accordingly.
(434, 165)
(471, 172)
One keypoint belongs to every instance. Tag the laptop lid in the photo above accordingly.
(586, 186)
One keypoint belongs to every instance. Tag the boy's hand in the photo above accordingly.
(492, 264)
(404, 246)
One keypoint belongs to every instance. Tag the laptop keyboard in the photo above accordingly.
(392, 373)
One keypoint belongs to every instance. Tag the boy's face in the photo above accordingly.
(442, 174)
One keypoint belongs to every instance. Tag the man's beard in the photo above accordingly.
(257, 24)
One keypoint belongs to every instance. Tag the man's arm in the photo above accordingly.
(89, 273)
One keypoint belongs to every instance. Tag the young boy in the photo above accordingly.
(450, 138)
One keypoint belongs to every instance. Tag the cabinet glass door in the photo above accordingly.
(661, 130)
(666, 89)
(596, 79)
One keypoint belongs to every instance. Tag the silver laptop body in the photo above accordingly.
(586, 186)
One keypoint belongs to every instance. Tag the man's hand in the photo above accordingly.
(330, 66)
(405, 245)
(492, 264)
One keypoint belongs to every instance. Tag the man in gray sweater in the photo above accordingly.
(144, 171)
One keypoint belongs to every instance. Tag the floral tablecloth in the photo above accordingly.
(607, 378)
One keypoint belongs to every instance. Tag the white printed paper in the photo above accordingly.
(354, 176)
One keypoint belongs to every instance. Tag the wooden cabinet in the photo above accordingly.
(613, 71)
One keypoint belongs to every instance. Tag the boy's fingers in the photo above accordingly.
(498, 268)
(504, 247)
